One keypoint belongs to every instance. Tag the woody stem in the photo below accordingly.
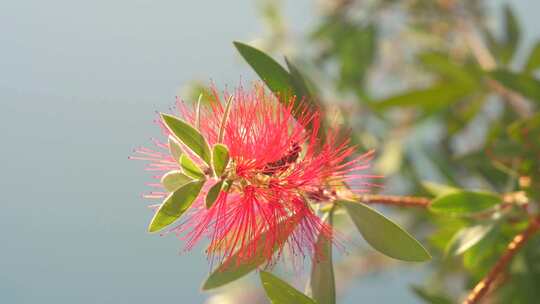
(407, 201)
(512, 248)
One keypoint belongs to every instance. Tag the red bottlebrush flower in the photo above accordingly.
(279, 172)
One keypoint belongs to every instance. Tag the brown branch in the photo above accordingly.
(406, 201)
(513, 247)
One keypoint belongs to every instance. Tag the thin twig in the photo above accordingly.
(513, 247)
(407, 201)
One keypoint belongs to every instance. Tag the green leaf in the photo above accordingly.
(190, 168)
(526, 85)
(466, 238)
(278, 79)
(444, 66)
(464, 202)
(279, 292)
(226, 113)
(432, 98)
(438, 189)
(512, 34)
(533, 61)
(175, 149)
(304, 98)
(428, 296)
(175, 205)
(271, 72)
(322, 283)
(298, 82)
(173, 180)
(482, 256)
(384, 235)
(220, 158)
(235, 267)
(189, 136)
(213, 194)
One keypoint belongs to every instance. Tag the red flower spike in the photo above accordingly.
(279, 170)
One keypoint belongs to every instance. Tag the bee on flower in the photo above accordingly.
(250, 172)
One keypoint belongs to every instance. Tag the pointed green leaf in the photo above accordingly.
(235, 268)
(525, 85)
(301, 88)
(213, 194)
(190, 168)
(464, 202)
(280, 292)
(298, 82)
(384, 235)
(466, 238)
(304, 98)
(432, 98)
(173, 180)
(175, 149)
(189, 136)
(175, 205)
(277, 78)
(220, 158)
(444, 66)
(322, 283)
(533, 61)
(271, 72)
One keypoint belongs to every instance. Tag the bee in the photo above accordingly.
(283, 163)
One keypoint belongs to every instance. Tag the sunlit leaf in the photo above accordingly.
(190, 168)
(482, 256)
(220, 158)
(464, 202)
(525, 85)
(279, 292)
(322, 283)
(235, 267)
(466, 238)
(173, 180)
(189, 136)
(213, 194)
(533, 61)
(384, 235)
(175, 205)
(175, 149)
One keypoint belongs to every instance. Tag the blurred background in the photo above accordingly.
(80, 82)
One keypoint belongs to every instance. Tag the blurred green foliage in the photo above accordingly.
(453, 115)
